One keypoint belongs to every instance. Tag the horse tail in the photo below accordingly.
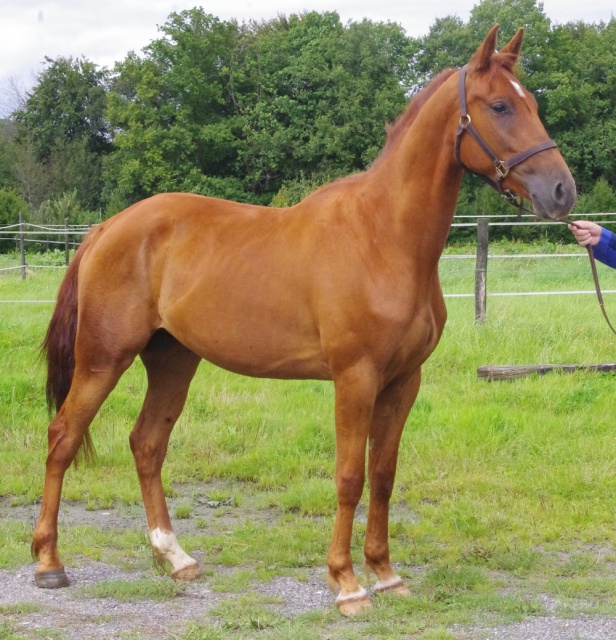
(59, 345)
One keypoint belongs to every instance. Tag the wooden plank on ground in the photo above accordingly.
(513, 371)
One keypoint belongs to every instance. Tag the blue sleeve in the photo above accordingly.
(605, 250)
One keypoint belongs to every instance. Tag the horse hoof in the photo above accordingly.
(353, 603)
(395, 586)
(353, 607)
(188, 573)
(52, 579)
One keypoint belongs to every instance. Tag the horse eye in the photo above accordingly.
(499, 107)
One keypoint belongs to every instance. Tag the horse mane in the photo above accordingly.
(399, 127)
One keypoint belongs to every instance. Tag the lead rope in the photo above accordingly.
(593, 268)
(519, 204)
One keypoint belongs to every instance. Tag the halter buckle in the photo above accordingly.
(465, 121)
(502, 171)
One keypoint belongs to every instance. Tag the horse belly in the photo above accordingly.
(269, 337)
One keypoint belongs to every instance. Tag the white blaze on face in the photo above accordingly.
(518, 89)
(169, 547)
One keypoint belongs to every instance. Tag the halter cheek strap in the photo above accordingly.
(501, 167)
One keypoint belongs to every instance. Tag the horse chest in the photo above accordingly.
(416, 338)
(399, 332)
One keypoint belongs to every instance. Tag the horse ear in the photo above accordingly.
(511, 50)
(481, 58)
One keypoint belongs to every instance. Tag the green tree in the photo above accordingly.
(322, 95)
(64, 128)
(236, 112)
(8, 154)
(579, 94)
(64, 208)
(602, 199)
(11, 205)
(450, 42)
(172, 113)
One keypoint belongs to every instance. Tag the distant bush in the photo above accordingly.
(602, 199)
(11, 205)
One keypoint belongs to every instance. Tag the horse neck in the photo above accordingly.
(419, 177)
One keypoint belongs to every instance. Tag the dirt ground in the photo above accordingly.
(66, 613)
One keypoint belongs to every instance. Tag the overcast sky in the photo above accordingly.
(104, 31)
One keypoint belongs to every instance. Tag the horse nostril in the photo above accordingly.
(559, 192)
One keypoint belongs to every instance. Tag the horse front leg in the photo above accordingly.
(391, 411)
(355, 393)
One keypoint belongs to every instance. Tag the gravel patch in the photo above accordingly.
(72, 614)
(546, 628)
(298, 596)
(75, 615)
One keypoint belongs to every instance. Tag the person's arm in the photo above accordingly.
(603, 241)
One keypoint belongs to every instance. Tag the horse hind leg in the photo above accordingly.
(66, 435)
(170, 369)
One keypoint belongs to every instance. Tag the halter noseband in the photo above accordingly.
(502, 167)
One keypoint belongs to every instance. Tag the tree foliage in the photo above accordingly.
(235, 111)
(11, 205)
(578, 84)
(265, 111)
(63, 128)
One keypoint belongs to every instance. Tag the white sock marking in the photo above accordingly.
(167, 544)
(356, 595)
(383, 585)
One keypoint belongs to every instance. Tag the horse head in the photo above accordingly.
(508, 145)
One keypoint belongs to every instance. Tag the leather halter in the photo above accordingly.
(502, 167)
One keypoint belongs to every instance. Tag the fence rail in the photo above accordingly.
(23, 232)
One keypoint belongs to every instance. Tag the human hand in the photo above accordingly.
(587, 233)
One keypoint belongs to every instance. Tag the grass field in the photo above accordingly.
(506, 491)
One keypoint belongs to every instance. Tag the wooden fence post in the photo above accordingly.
(481, 270)
(66, 256)
(22, 245)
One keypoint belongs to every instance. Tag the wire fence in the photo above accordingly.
(44, 237)
(68, 237)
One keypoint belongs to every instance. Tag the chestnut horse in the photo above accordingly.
(343, 286)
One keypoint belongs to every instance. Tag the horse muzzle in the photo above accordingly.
(553, 196)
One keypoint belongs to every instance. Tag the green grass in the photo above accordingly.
(162, 589)
(506, 491)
